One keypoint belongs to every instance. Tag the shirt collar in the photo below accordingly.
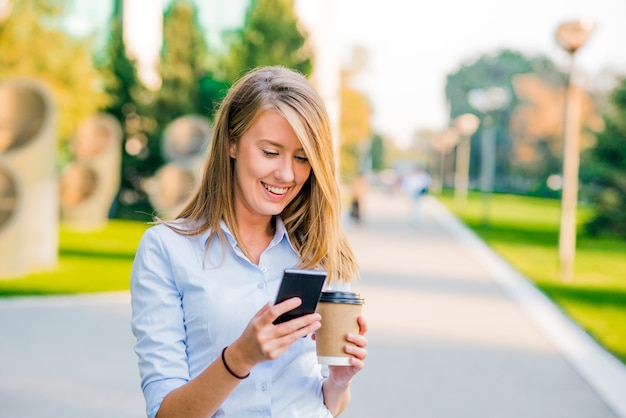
(279, 234)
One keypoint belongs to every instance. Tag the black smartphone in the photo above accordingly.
(305, 284)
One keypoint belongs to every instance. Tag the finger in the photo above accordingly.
(357, 363)
(358, 352)
(287, 333)
(358, 339)
(286, 306)
(291, 303)
(311, 322)
(280, 308)
(362, 325)
(306, 330)
(290, 331)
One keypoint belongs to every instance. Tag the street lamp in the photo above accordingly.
(443, 143)
(466, 124)
(570, 36)
(488, 102)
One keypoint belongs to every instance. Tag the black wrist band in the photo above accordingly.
(228, 368)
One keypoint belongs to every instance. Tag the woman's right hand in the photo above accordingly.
(263, 341)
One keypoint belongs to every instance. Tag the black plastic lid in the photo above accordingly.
(335, 296)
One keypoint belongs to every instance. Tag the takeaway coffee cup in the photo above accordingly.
(339, 311)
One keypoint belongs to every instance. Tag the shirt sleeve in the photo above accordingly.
(157, 320)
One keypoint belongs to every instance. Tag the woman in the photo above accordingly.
(202, 286)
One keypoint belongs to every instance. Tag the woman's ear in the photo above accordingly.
(232, 148)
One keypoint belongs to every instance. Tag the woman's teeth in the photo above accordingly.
(275, 190)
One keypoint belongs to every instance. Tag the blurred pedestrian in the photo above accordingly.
(416, 185)
(358, 189)
(202, 286)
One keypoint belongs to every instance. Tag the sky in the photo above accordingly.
(413, 46)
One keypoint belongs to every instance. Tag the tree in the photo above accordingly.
(120, 78)
(354, 119)
(377, 153)
(603, 170)
(517, 151)
(354, 125)
(128, 104)
(270, 35)
(34, 46)
(188, 84)
(536, 127)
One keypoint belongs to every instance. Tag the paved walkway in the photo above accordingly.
(68, 357)
(454, 332)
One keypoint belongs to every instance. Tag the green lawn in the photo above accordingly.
(524, 231)
(98, 261)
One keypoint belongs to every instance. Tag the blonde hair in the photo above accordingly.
(312, 219)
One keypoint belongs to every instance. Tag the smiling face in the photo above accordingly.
(270, 168)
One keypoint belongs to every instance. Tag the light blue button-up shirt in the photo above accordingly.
(188, 307)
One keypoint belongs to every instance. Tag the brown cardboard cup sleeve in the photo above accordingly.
(339, 311)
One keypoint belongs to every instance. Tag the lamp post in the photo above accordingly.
(570, 36)
(443, 143)
(488, 102)
(466, 124)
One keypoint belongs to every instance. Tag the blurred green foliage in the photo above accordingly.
(189, 85)
(271, 35)
(499, 70)
(603, 171)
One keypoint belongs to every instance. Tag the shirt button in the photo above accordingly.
(263, 387)
(261, 285)
(264, 269)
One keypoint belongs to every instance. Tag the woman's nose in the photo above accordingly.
(284, 171)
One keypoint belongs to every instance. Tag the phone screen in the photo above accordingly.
(305, 284)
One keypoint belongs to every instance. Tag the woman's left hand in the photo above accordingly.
(341, 375)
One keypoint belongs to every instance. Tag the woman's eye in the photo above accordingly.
(269, 153)
(301, 159)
